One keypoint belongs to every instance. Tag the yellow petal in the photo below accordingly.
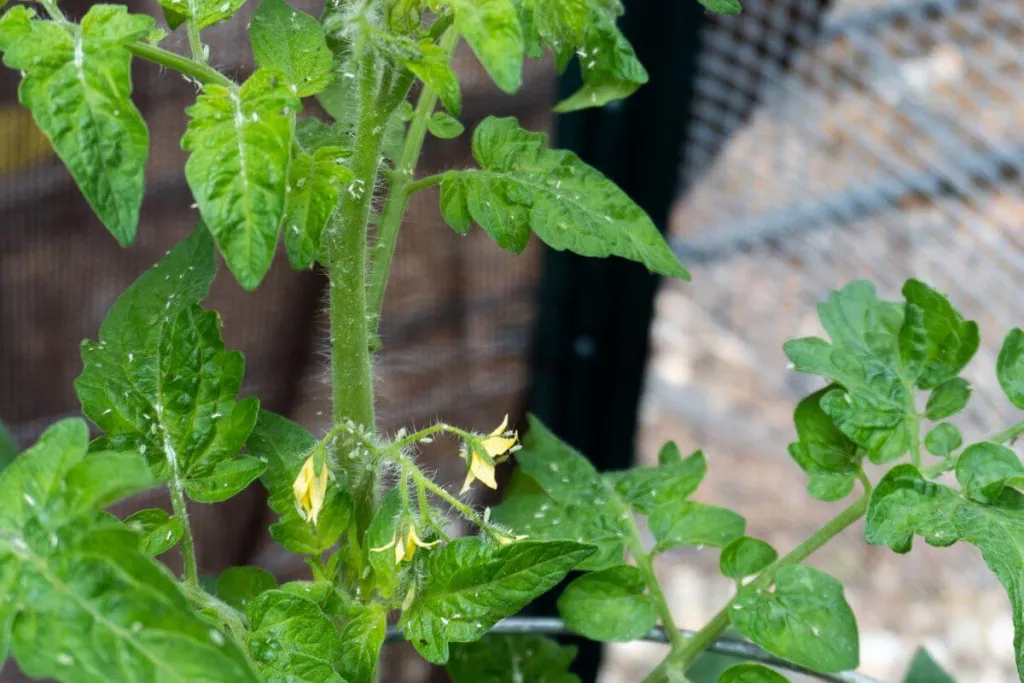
(317, 493)
(498, 445)
(419, 541)
(390, 544)
(301, 488)
(502, 427)
(469, 482)
(399, 552)
(509, 540)
(483, 470)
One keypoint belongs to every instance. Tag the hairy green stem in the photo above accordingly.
(428, 484)
(194, 43)
(53, 10)
(188, 545)
(203, 73)
(345, 240)
(673, 666)
(399, 193)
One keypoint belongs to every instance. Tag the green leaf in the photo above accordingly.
(905, 504)
(949, 341)
(984, 470)
(728, 7)
(499, 659)
(382, 530)
(750, 673)
(541, 518)
(805, 620)
(524, 185)
(80, 597)
(469, 585)
(428, 62)
(609, 605)
(203, 12)
(876, 410)
(1010, 367)
(608, 66)
(238, 586)
(491, 27)
(830, 486)
(943, 440)
(745, 557)
(285, 446)
(159, 531)
(77, 82)
(104, 478)
(225, 480)
(924, 669)
(291, 43)
(560, 24)
(578, 505)
(290, 632)
(445, 126)
(159, 381)
(8, 448)
(679, 523)
(823, 452)
(645, 488)
(315, 185)
(240, 143)
(948, 399)
(361, 642)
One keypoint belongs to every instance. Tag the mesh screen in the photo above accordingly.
(866, 140)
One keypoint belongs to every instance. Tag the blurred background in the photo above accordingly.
(786, 152)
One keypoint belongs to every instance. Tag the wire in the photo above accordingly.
(724, 646)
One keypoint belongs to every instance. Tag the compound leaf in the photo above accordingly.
(160, 382)
(240, 142)
(77, 82)
(470, 585)
(524, 185)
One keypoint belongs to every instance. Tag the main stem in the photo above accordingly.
(399, 193)
(351, 371)
(675, 665)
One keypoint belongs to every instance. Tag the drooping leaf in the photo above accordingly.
(608, 65)
(750, 673)
(681, 523)
(924, 669)
(316, 183)
(285, 446)
(524, 185)
(491, 27)
(943, 439)
(609, 605)
(470, 585)
(1010, 367)
(361, 641)
(745, 557)
(445, 126)
(500, 658)
(823, 452)
(238, 586)
(203, 12)
(985, 469)
(80, 597)
(292, 43)
(77, 82)
(645, 488)
(805, 620)
(240, 143)
(905, 504)
(949, 341)
(159, 381)
(875, 407)
(290, 635)
(159, 531)
(948, 399)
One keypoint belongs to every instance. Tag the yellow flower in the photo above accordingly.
(496, 446)
(309, 489)
(405, 548)
(509, 540)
